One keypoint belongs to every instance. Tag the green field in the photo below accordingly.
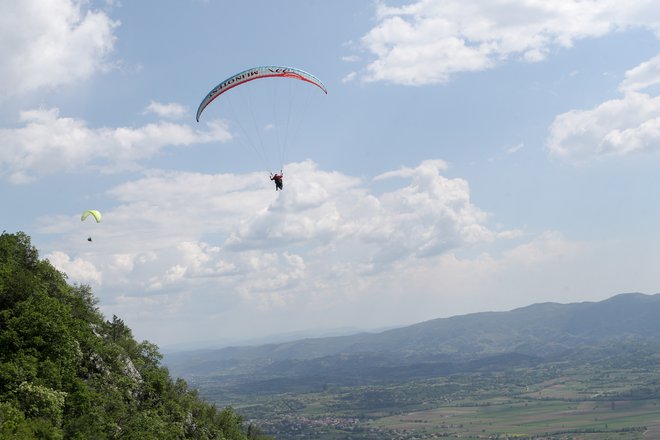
(549, 401)
(614, 419)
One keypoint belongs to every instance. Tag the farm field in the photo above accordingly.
(545, 402)
(559, 419)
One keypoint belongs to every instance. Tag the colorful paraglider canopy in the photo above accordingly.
(93, 212)
(258, 73)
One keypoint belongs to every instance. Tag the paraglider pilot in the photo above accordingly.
(278, 180)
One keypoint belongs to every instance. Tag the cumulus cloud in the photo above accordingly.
(618, 127)
(78, 270)
(190, 232)
(432, 214)
(47, 44)
(171, 110)
(428, 216)
(645, 75)
(429, 41)
(217, 249)
(614, 128)
(48, 143)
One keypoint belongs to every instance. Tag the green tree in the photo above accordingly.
(66, 372)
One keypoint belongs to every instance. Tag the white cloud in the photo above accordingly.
(349, 77)
(429, 41)
(642, 76)
(123, 262)
(430, 215)
(47, 44)
(189, 232)
(171, 110)
(514, 148)
(210, 251)
(438, 165)
(78, 269)
(616, 127)
(550, 246)
(49, 143)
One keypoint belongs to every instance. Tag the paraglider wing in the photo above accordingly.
(93, 212)
(258, 73)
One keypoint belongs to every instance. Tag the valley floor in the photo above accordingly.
(543, 402)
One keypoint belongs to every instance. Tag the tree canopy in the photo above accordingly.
(68, 373)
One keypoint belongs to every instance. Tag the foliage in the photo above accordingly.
(66, 372)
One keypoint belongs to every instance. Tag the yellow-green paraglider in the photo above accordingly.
(94, 213)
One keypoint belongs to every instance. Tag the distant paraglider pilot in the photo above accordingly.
(278, 180)
(94, 213)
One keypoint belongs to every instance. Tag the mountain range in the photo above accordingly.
(622, 328)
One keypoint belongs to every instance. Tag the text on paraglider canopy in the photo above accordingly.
(234, 81)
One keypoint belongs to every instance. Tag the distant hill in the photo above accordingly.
(539, 332)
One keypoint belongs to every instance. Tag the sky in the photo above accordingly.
(468, 156)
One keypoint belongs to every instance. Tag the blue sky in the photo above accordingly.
(467, 157)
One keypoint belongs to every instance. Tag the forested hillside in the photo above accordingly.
(68, 373)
